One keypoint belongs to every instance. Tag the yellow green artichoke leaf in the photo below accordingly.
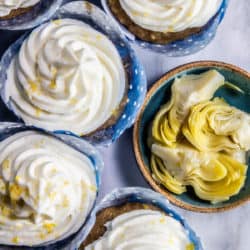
(187, 91)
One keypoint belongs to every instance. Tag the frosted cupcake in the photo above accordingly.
(165, 22)
(75, 73)
(47, 188)
(136, 218)
(26, 14)
(11, 9)
(66, 76)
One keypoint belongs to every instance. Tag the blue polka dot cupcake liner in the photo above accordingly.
(184, 47)
(137, 82)
(37, 15)
(122, 196)
(73, 241)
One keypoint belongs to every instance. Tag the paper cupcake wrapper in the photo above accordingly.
(142, 195)
(72, 242)
(37, 15)
(187, 46)
(137, 83)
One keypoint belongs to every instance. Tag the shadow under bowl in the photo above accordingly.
(159, 94)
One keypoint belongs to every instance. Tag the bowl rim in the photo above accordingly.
(137, 149)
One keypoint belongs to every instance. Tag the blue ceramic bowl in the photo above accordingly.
(37, 15)
(187, 46)
(72, 242)
(84, 11)
(142, 195)
(159, 94)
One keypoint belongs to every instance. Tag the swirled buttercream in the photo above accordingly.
(47, 188)
(143, 230)
(170, 15)
(66, 76)
(6, 6)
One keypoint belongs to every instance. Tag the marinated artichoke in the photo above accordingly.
(200, 141)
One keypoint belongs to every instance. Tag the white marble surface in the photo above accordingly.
(222, 231)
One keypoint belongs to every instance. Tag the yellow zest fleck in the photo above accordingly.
(2, 186)
(190, 246)
(171, 241)
(115, 112)
(38, 112)
(66, 183)
(73, 101)
(145, 14)
(145, 206)
(162, 220)
(122, 235)
(170, 28)
(53, 170)
(5, 211)
(53, 71)
(92, 188)
(33, 86)
(42, 236)
(6, 164)
(135, 13)
(65, 202)
(17, 178)
(52, 195)
(15, 240)
(85, 37)
(15, 191)
(52, 84)
(49, 227)
(19, 226)
(57, 22)
(99, 37)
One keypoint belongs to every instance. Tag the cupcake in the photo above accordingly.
(158, 24)
(135, 218)
(26, 14)
(11, 9)
(47, 188)
(70, 74)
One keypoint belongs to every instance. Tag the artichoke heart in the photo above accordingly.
(215, 126)
(186, 92)
(200, 142)
(214, 177)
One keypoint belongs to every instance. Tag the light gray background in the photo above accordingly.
(222, 231)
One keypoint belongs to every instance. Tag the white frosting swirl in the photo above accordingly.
(67, 76)
(47, 188)
(170, 15)
(6, 6)
(143, 230)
